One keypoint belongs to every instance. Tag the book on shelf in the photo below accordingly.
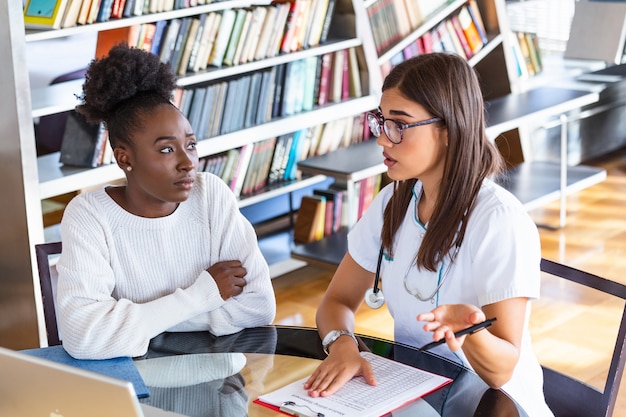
(146, 36)
(309, 224)
(357, 397)
(223, 35)
(301, 25)
(458, 29)
(474, 11)
(243, 44)
(107, 39)
(117, 9)
(290, 26)
(266, 96)
(83, 14)
(159, 31)
(276, 38)
(181, 40)
(317, 21)
(355, 88)
(235, 34)
(93, 11)
(183, 56)
(239, 173)
(332, 216)
(129, 8)
(470, 30)
(247, 45)
(208, 41)
(82, 142)
(535, 52)
(169, 40)
(72, 10)
(104, 12)
(413, 13)
(448, 38)
(525, 51)
(190, 62)
(266, 30)
(328, 18)
(44, 14)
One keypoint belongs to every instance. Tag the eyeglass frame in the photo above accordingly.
(380, 121)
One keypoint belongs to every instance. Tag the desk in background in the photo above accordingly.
(197, 374)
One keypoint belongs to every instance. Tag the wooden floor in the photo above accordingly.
(594, 240)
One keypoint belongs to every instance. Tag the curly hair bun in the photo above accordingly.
(127, 72)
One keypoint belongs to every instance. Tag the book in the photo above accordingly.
(104, 12)
(266, 31)
(253, 37)
(197, 43)
(107, 39)
(458, 29)
(190, 39)
(474, 12)
(243, 44)
(469, 29)
(354, 74)
(93, 11)
(317, 23)
(334, 199)
(310, 219)
(81, 142)
(83, 14)
(44, 14)
(123, 368)
(181, 40)
(70, 18)
(290, 26)
(169, 40)
(330, 11)
(233, 42)
(212, 26)
(117, 9)
(223, 35)
(356, 397)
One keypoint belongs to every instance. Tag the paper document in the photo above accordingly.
(397, 384)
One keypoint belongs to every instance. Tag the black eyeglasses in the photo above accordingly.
(393, 129)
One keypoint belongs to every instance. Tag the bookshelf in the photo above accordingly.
(29, 179)
(509, 109)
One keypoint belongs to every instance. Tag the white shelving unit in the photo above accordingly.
(29, 179)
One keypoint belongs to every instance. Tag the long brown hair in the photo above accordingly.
(447, 87)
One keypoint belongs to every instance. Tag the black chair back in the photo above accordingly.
(567, 396)
(47, 280)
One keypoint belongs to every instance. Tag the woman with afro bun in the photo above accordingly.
(167, 251)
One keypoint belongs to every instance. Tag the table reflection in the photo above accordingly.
(200, 375)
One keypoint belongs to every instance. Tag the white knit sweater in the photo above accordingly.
(123, 279)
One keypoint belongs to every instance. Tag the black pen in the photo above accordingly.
(469, 330)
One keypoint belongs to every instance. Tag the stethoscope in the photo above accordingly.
(374, 297)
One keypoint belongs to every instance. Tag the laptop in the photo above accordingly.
(34, 387)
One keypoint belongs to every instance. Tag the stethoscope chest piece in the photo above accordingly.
(374, 299)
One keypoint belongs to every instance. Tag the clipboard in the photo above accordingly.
(357, 397)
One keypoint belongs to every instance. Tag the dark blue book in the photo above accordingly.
(123, 368)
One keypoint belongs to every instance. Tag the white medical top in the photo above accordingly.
(498, 259)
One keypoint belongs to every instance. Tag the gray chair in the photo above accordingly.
(570, 397)
(47, 280)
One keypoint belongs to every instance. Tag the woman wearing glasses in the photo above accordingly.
(454, 248)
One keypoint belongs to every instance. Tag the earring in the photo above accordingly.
(129, 168)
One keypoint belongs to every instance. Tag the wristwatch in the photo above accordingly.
(333, 335)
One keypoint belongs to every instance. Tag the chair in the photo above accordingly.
(48, 282)
(567, 396)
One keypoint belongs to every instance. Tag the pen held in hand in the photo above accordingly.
(469, 330)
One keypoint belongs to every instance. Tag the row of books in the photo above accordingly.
(526, 53)
(325, 211)
(252, 167)
(393, 20)
(244, 101)
(463, 33)
(229, 37)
